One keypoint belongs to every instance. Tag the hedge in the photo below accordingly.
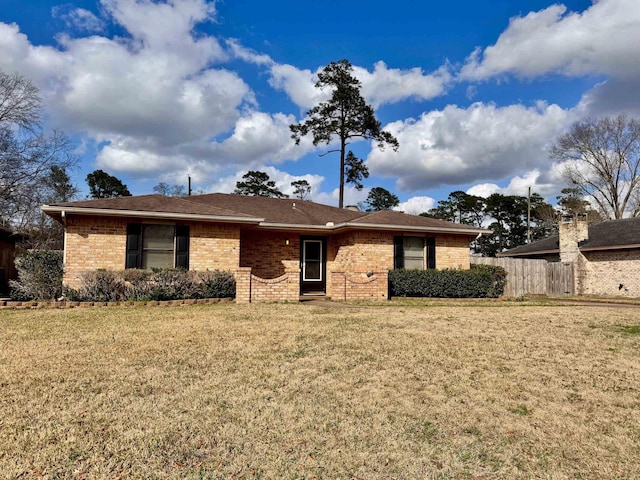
(481, 281)
(166, 284)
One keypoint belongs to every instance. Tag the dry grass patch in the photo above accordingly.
(464, 390)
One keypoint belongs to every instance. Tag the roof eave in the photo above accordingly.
(522, 254)
(413, 228)
(369, 226)
(105, 212)
(609, 247)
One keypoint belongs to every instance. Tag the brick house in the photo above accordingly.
(279, 249)
(605, 256)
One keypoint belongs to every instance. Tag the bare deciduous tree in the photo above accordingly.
(603, 162)
(27, 154)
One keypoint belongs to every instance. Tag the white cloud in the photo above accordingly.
(459, 146)
(352, 196)
(282, 180)
(154, 98)
(416, 205)
(611, 98)
(78, 18)
(390, 85)
(298, 84)
(547, 184)
(603, 39)
(260, 138)
(382, 86)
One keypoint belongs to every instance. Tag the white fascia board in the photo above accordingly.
(375, 226)
(524, 254)
(372, 226)
(150, 214)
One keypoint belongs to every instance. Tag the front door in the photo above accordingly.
(313, 265)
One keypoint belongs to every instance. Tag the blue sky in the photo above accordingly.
(475, 91)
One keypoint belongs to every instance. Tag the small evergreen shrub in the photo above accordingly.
(99, 286)
(166, 284)
(217, 284)
(499, 276)
(39, 276)
(473, 283)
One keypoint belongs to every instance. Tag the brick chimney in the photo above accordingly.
(572, 230)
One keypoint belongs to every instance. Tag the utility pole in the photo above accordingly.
(529, 216)
(189, 189)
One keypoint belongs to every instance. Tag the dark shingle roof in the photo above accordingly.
(267, 212)
(390, 217)
(151, 203)
(614, 234)
(279, 210)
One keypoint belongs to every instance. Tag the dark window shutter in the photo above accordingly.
(182, 246)
(134, 245)
(398, 253)
(431, 252)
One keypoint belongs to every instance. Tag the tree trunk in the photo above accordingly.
(343, 146)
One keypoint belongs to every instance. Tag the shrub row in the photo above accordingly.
(481, 281)
(136, 285)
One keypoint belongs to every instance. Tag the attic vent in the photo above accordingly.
(330, 224)
(294, 204)
(353, 208)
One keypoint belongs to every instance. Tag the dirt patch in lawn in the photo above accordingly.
(415, 390)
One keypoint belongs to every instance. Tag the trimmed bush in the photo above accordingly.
(39, 276)
(217, 284)
(474, 283)
(99, 286)
(167, 284)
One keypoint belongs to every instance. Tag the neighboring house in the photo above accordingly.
(279, 249)
(8, 272)
(605, 256)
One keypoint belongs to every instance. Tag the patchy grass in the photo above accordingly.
(630, 329)
(403, 390)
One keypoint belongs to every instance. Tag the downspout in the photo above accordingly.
(63, 217)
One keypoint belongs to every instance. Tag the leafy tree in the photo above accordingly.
(301, 189)
(27, 154)
(509, 213)
(164, 188)
(103, 185)
(345, 116)
(460, 207)
(603, 162)
(380, 199)
(571, 202)
(258, 184)
(355, 170)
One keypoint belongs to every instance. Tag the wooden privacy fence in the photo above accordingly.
(537, 277)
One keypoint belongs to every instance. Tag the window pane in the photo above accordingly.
(157, 237)
(312, 270)
(411, 263)
(312, 250)
(414, 253)
(157, 259)
(157, 246)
